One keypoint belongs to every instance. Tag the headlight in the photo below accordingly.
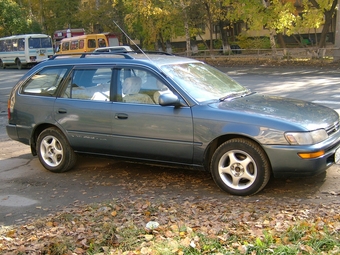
(305, 138)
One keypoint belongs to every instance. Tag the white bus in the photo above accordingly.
(25, 50)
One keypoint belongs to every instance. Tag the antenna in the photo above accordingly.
(132, 41)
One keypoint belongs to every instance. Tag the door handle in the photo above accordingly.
(121, 116)
(62, 110)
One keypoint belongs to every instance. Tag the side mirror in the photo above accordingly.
(169, 99)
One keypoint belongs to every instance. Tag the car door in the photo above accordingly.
(144, 129)
(84, 111)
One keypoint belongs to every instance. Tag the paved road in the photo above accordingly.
(27, 190)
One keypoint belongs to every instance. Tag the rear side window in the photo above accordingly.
(89, 84)
(45, 82)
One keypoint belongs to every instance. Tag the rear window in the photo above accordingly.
(45, 82)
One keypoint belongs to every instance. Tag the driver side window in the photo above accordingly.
(140, 86)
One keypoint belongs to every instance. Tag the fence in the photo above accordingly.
(279, 53)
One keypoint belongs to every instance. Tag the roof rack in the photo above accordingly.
(124, 54)
(83, 55)
(154, 52)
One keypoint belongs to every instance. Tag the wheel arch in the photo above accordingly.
(211, 148)
(35, 134)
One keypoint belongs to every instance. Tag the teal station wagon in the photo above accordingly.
(170, 110)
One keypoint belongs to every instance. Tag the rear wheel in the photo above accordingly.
(2, 65)
(18, 63)
(54, 151)
(240, 167)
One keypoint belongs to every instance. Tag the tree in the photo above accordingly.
(327, 10)
(274, 15)
(153, 22)
(12, 18)
(57, 14)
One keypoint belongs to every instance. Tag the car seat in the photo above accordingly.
(131, 88)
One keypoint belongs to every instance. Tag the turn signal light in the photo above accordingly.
(309, 155)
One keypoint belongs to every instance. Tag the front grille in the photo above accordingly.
(333, 129)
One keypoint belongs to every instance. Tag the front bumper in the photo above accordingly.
(286, 162)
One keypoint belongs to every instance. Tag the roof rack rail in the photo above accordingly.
(155, 52)
(84, 54)
(124, 54)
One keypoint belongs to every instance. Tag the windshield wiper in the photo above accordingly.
(236, 94)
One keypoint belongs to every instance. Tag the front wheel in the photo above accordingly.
(240, 167)
(54, 151)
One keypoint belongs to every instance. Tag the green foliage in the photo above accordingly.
(12, 18)
(246, 42)
(34, 28)
(201, 46)
(217, 44)
(154, 22)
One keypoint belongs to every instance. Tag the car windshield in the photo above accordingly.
(203, 82)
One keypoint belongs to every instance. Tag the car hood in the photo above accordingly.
(305, 114)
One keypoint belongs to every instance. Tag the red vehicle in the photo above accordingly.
(61, 34)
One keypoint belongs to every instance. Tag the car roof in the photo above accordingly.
(119, 58)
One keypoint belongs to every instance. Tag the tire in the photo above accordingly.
(2, 65)
(240, 167)
(18, 63)
(54, 151)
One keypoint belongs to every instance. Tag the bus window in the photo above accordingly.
(35, 43)
(15, 44)
(74, 45)
(46, 43)
(91, 43)
(65, 46)
(21, 44)
(101, 43)
(8, 45)
(81, 44)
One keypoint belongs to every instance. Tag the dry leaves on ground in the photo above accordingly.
(119, 227)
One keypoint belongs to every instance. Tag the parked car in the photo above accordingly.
(169, 110)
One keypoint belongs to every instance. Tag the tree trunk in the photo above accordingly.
(210, 25)
(271, 31)
(325, 29)
(281, 40)
(186, 28)
(328, 20)
(224, 36)
(272, 41)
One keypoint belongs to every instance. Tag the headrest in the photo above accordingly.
(132, 85)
